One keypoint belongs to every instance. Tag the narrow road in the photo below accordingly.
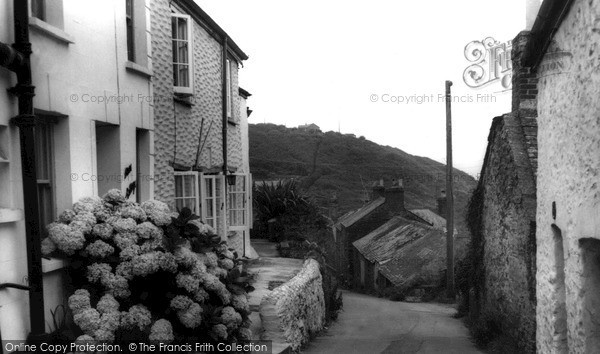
(372, 325)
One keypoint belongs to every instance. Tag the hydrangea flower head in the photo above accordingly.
(100, 249)
(157, 211)
(79, 301)
(107, 303)
(161, 331)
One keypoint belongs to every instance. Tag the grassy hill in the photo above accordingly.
(342, 165)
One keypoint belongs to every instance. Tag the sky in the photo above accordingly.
(372, 68)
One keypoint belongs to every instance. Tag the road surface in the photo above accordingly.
(372, 325)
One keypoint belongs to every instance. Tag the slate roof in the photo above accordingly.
(351, 217)
(425, 256)
(431, 217)
(404, 249)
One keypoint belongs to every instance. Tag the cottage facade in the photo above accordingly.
(201, 155)
(93, 132)
(563, 53)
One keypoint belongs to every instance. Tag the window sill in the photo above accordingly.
(138, 69)
(51, 31)
(10, 215)
(52, 264)
(185, 100)
(232, 121)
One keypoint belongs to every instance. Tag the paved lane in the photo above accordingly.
(372, 325)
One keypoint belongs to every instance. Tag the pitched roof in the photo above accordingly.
(403, 249)
(350, 218)
(431, 217)
(424, 257)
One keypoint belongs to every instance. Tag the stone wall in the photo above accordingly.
(508, 234)
(507, 287)
(295, 310)
(568, 203)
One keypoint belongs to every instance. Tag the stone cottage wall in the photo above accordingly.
(569, 179)
(177, 125)
(509, 237)
(296, 309)
(359, 229)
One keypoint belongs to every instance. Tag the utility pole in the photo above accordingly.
(449, 198)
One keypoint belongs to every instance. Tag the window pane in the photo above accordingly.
(178, 186)
(129, 7)
(182, 56)
(38, 9)
(45, 205)
(181, 28)
(179, 204)
(183, 76)
(175, 52)
(176, 75)
(210, 211)
(189, 187)
(174, 27)
(209, 188)
(191, 204)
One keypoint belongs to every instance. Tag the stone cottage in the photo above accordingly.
(201, 149)
(397, 253)
(506, 196)
(563, 53)
(385, 203)
(91, 130)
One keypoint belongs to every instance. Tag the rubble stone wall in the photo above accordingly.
(509, 237)
(294, 311)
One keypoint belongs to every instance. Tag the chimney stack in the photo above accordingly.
(524, 82)
(378, 189)
(441, 204)
(394, 196)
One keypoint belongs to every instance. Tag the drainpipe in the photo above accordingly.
(224, 132)
(16, 58)
(225, 103)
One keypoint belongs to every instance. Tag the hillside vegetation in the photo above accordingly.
(332, 166)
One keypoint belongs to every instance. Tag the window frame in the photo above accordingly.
(130, 29)
(196, 184)
(232, 211)
(183, 89)
(49, 182)
(40, 6)
(205, 199)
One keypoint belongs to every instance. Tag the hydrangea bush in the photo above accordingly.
(142, 272)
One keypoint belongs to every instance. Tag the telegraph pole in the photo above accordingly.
(449, 198)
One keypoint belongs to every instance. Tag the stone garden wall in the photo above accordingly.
(295, 310)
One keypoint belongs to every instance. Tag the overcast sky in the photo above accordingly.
(323, 62)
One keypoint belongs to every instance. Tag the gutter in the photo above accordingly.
(211, 26)
(549, 18)
(17, 59)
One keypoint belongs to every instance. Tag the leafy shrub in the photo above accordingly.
(395, 293)
(144, 273)
(272, 201)
(485, 329)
